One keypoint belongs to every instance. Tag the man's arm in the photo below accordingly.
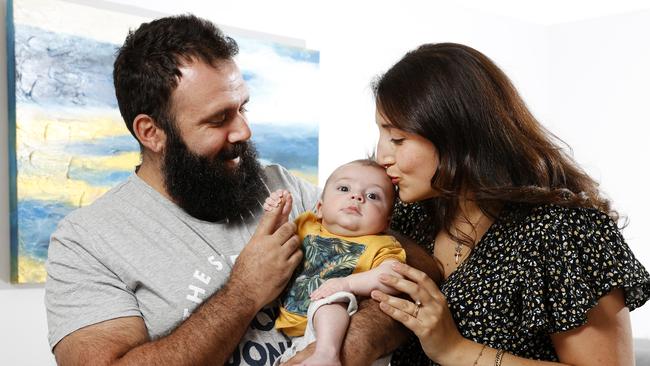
(211, 333)
(373, 334)
(207, 337)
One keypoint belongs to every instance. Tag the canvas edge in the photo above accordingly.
(11, 126)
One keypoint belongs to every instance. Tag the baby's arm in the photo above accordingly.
(360, 284)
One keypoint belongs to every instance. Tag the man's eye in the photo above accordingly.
(343, 188)
(373, 196)
(218, 120)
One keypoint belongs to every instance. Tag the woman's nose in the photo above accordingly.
(384, 158)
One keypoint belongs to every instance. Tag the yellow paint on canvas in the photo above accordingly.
(34, 128)
(126, 161)
(57, 166)
(76, 193)
(31, 270)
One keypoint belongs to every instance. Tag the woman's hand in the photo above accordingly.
(431, 320)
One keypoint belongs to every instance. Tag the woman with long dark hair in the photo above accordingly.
(534, 268)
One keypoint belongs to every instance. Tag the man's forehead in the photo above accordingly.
(219, 84)
(226, 69)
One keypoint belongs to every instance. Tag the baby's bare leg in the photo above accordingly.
(331, 323)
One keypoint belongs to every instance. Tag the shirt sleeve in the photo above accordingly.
(79, 289)
(391, 250)
(582, 258)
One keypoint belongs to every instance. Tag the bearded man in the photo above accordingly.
(171, 267)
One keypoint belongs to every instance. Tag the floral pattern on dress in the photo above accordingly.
(536, 271)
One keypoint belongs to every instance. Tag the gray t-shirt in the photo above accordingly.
(135, 253)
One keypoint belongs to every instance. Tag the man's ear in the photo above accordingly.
(150, 136)
(319, 212)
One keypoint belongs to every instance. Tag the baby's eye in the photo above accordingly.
(342, 188)
(372, 196)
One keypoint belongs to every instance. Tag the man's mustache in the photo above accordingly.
(232, 151)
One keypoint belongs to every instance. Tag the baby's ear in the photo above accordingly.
(319, 211)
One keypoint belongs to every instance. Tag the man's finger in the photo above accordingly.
(284, 232)
(290, 246)
(295, 259)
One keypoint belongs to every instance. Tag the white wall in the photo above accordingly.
(599, 92)
(358, 40)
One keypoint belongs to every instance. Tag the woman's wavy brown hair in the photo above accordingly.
(489, 143)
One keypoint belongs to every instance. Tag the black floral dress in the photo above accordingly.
(536, 271)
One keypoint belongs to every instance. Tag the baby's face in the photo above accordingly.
(357, 200)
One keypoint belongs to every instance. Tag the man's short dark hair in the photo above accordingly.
(146, 69)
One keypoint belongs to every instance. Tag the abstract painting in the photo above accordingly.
(68, 143)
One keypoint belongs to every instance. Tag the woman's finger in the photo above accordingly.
(418, 277)
(414, 290)
(401, 316)
(404, 305)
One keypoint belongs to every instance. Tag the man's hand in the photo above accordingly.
(266, 264)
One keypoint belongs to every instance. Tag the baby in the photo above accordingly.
(345, 252)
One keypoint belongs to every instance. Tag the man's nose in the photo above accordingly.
(239, 130)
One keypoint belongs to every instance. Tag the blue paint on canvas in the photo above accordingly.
(291, 146)
(106, 146)
(37, 220)
(62, 81)
(63, 70)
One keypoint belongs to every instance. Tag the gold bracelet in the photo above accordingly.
(479, 356)
(498, 358)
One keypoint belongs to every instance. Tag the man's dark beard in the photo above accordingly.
(207, 188)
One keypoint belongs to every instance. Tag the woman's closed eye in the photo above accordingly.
(397, 141)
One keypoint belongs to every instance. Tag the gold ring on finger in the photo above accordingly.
(417, 308)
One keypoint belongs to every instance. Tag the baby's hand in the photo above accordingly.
(274, 200)
(330, 287)
(279, 200)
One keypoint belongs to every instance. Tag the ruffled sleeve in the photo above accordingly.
(580, 255)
